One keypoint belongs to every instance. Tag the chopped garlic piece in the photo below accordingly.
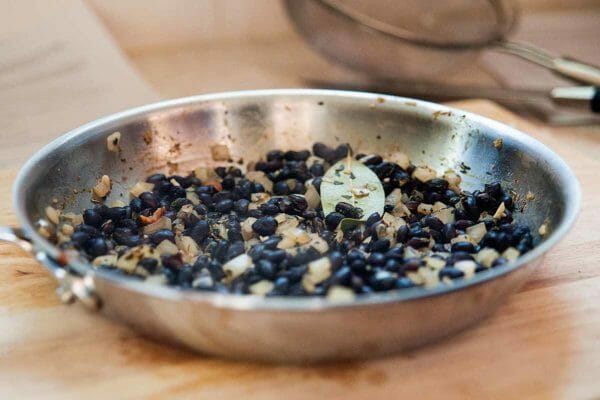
(260, 177)
(453, 180)
(167, 247)
(543, 230)
(500, 211)
(112, 142)
(476, 232)
(467, 267)
(487, 256)
(360, 192)
(318, 271)
(109, 259)
(312, 197)
(511, 254)
(261, 288)
(401, 159)
(188, 247)
(424, 173)
(340, 293)
(141, 187)
(67, 229)
(102, 188)
(162, 223)
(237, 266)
(53, 215)
(247, 231)
(461, 238)
(446, 215)
(220, 152)
(425, 208)
(434, 262)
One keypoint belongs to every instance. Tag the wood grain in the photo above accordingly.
(544, 343)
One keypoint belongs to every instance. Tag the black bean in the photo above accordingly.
(317, 170)
(412, 264)
(418, 232)
(162, 234)
(340, 152)
(466, 247)
(463, 224)
(265, 226)
(437, 184)
(342, 276)
(392, 265)
(433, 223)
(199, 232)
(149, 264)
(149, 200)
(376, 259)
(216, 270)
(371, 159)
(451, 272)
(80, 237)
(471, 208)
(266, 269)
(348, 210)
(224, 206)
(281, 188)
(322, 150)
(276, 256)
(295, 274)
(448, 232)
(156, 178)
(282, 285)
(316, 182)
(402, 234)
(185, 276)
(301, 155)
(332, 220)
(235, 249)
(404, 283)
(92, 217)
(178, 203)
(493, 189)
(219, 252)
(396, 252)
(298, 202)
(380, 245)
(417, 242)
(118, 213)
(508, 201)
(337, 259)
(383, 280)
(97, 247)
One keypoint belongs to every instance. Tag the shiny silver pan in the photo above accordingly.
(250, 123)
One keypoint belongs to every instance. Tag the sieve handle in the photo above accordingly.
(577, 70)
(578, 96)
(572, 69)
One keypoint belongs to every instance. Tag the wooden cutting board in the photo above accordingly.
(543, 343)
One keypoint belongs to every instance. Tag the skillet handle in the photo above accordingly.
(71, 287)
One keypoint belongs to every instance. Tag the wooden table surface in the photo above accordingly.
(543, 343)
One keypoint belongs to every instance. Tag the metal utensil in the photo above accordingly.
(421, 39)
(177, 135)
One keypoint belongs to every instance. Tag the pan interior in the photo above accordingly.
(176, 137)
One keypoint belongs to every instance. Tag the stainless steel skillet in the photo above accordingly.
(177, 135)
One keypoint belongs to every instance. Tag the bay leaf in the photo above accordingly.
(352, 182)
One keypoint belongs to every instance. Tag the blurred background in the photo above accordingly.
(66, 62)
(251, 44)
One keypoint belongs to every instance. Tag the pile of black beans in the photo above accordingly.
(359, 259)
